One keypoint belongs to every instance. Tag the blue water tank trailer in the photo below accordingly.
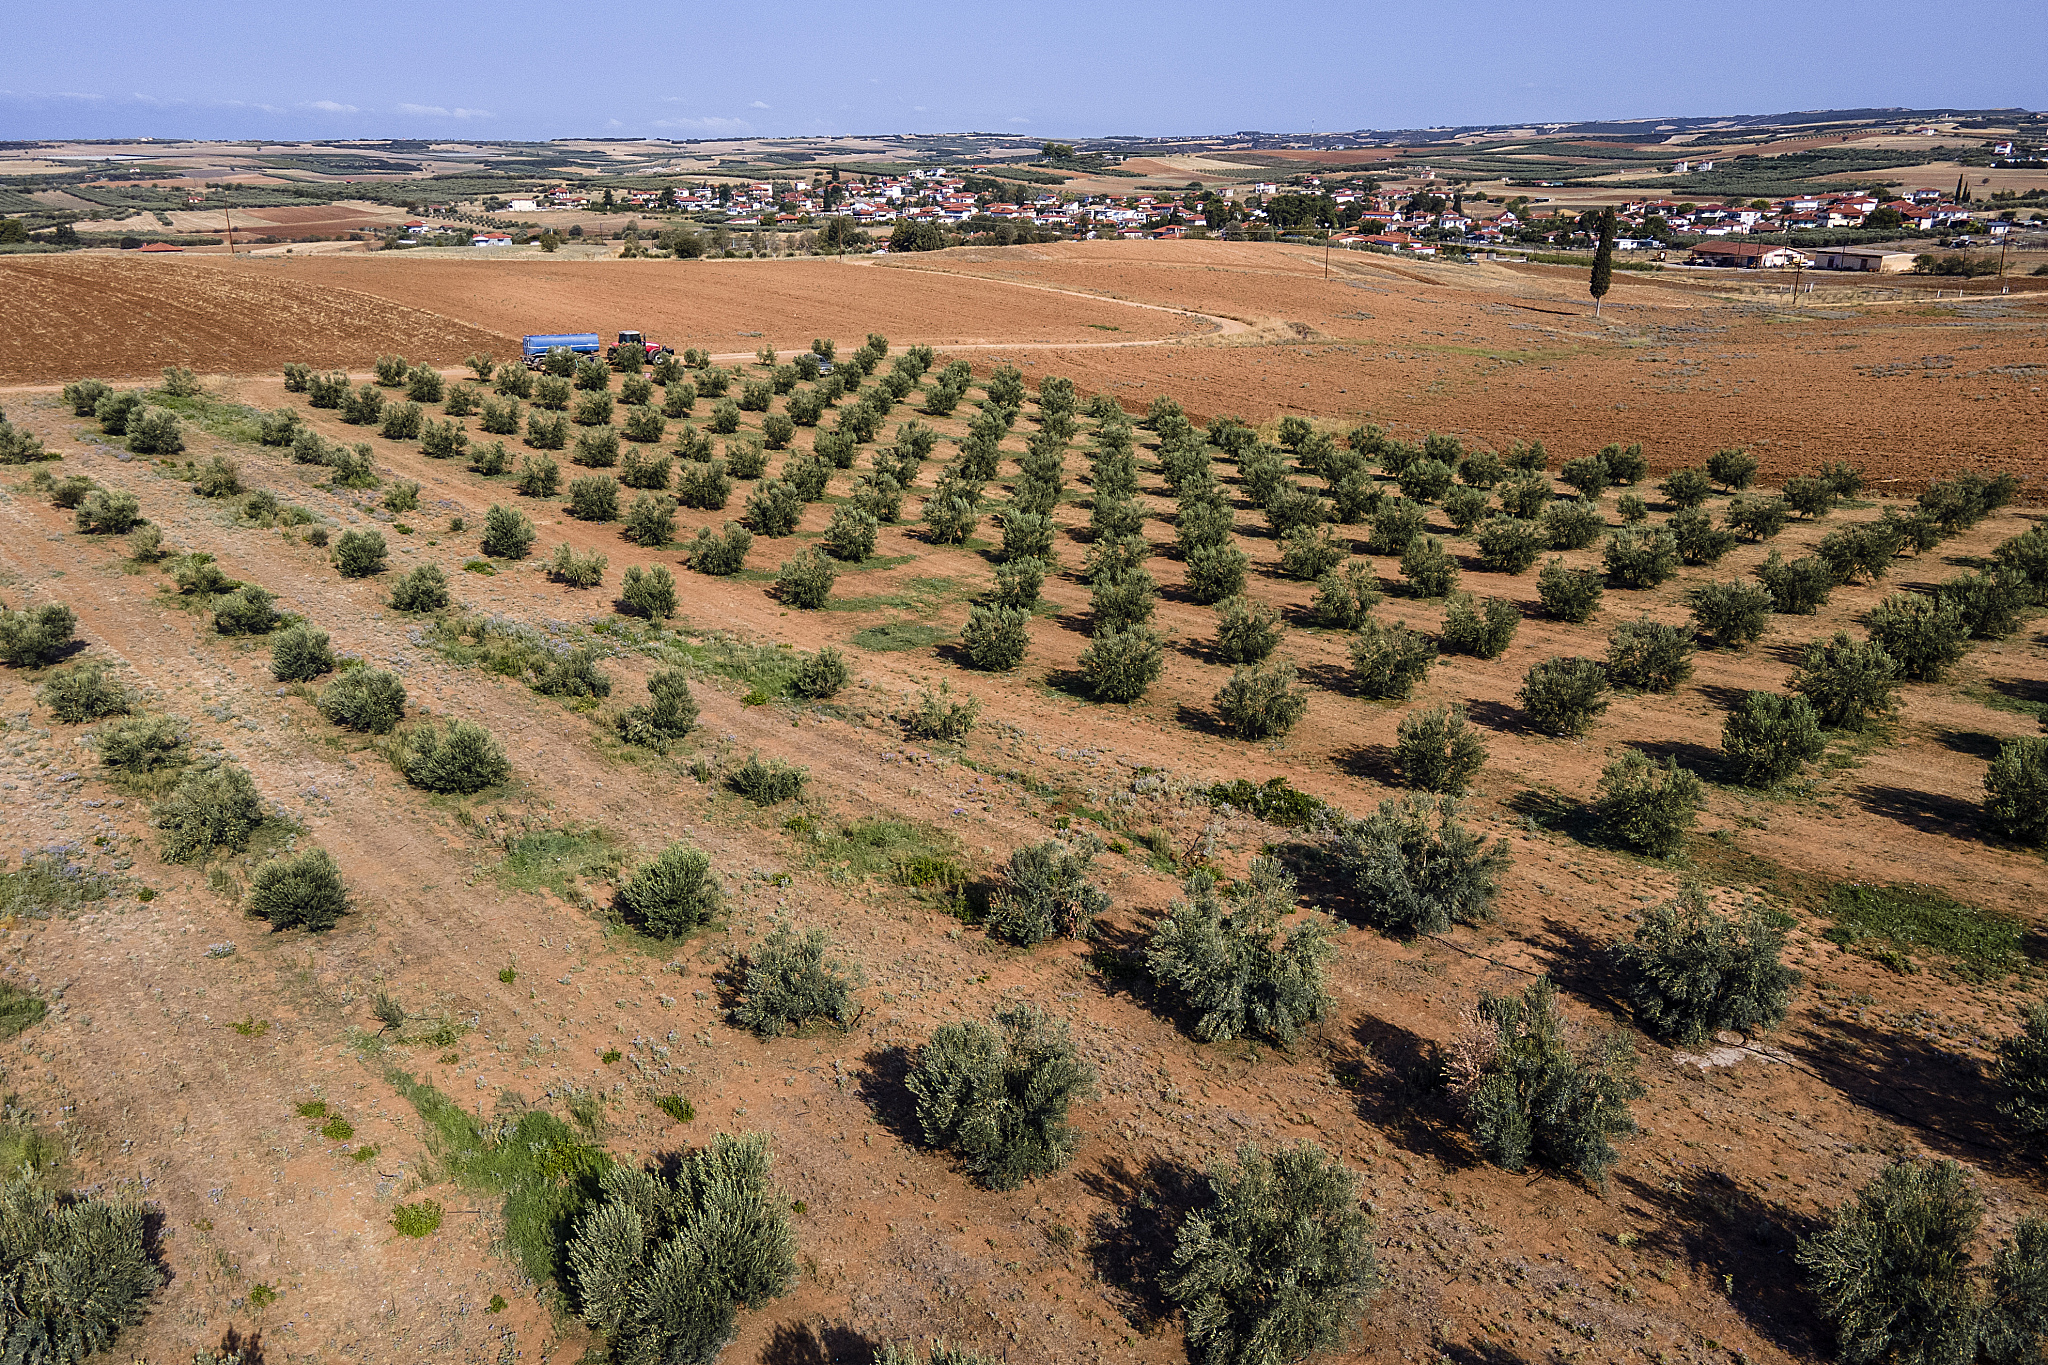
(536, 348)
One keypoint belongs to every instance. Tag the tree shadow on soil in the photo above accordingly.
(1706, 1218)
(1499, 717)
(2030, 691)
(1710, 764)
(882, 1088)
(1583, 967)
(1931, 812)
(1131, 1242)
(1723, 696)
(1203, 721)
(824, 1343)
(1118, 959)
(1399, 1086)
(1972, 743)
(1335, 678)
(1478, 1352)
(1946, 1097)
(1372, 762)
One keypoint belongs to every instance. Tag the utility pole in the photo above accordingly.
(2003, 243)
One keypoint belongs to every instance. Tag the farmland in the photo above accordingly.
(282, 1095)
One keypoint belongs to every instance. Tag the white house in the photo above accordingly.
(491, 239)
(523, 205)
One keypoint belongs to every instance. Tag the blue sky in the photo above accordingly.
(1059, 68)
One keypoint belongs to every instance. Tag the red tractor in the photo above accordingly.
(630, 342)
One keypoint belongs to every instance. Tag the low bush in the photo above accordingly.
(768, 781)
(1699, 541)
(2016, 790)
(364, 699)
(359, 554)
(1568, 594)
(1586, 474)
(84, 693)
(1310, 552)
(1524, 498)
(596, 448)
(301, 891)
(1246, 631)
(1437, 750)
(1640, 557)
(1388, 658)
(462, 758)
(1221, 953)
(720, 554)
(508, 533)
(538, 477)
(1396, 524)
(1215, 572)
(1651, 656)
(1769, 737)
(996, 637)
(788, 983)
(1043, 892)
(1693, 972)
(744, 459)
(108, 512)
(1344, 597)
(1733, 469)
(219, 477)
(662, 1260)
(211, 808)
(1564, 696)
(1122, 601)
(248, 610)
(1414, 869)
(402, 496)
(821, 675)
(1648, 806)
(1510, 546)
(651, 520)
(153, 431)
(577, 570)
(2022, 1067)
(197, 575)
(1018, 582)
(1924, 636)
(773, 509)
(1809, 496)
(670, 713)
(938, 716)
(1989, 603)
(300, 654)
(1467, 507)
(594, 497)
(1729, 614)
(1120, 663)
(1483, 629)
(80, 1267)
(1849, 682)
(1758, 518)
(572, 673)
(850, 535)
(1625, 465)
(1865, 550)
(1429, 569)
(1279, 1262)
(402, 422)
(997, 1098)
(1537, 1088)
(1800, 588)
(805, 579)
(1260, 700)
(115, 410)
(1571, 524)
(547, 431)
(649, 593)
(84, 395)
(653, 470)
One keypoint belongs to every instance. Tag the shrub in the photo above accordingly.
(572, 673)
(219, 477)
(1120, 663)
(1568, 594)
(1438, 750)
(1026, 535)
(464, 758)
(302, 891)
(939, 717)
(1018, 582)
(2016, 790)
(211, 808)
(997, 1098)
(539, 476)
(1731, 614)
(995, 637)
(1430, 571)
(545, 431)
(805, 579)
(787, 983)
(2023, 1068)
(142, 744)
(1809, 496)
(768, 781)
(807, 476)
(1524, 498)
(850, 536)
(71, 492)
(663, 1259)
(720, 555)
(1564, 696)
(1044, 892)
(84, 693)
(744, 459)
(247, 610)
(508, 534)
(1123, 601)
(359, 554)
(1396, 523)
(1893, 1274)
(278, 428)
(1697, 538)
(1481, 469)
(1989, 603)
(670, 714)
(1686, 487)
(596, 448)
(773, 508)
(392, 370)
(1215, 572)
(821, 675)
(577, 570)
(114, 411)
(651, 520)
(725, 417)
(402, 422)
(594, 497)
(1388, 658)
(1649, 655)
(1221, 953)
(1261, 701)
(1344, 598)
(649, 592)
(1483, 630)
(1587, 474)
(1849, 682)
(300, 654)
(1924, 636)
(1757, 518)
(1536, 1088)
(153, 431)
(1510, 546)
(1246, 631)
(84, 395)
(79, 1269)
(1867, 549)
(1648, 806)
(1414, 869)
(1278, 1264)
(1625, 464)
(364, 699)
(1693, 972)
(1425, 480)
(1466, 507)
(1768, 737)
(1571, 524)
(403, 496)
(1640, 557)
(1734, 470)
(592, 375)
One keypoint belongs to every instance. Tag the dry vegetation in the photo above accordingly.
(539, 853)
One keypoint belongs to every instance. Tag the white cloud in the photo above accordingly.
(758, 105)
(736, 127)
(331, 107)
(437, 111)
(1020, 120)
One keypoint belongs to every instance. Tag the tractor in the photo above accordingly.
(633, 341)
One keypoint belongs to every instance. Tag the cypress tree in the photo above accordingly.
(1603, 260)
